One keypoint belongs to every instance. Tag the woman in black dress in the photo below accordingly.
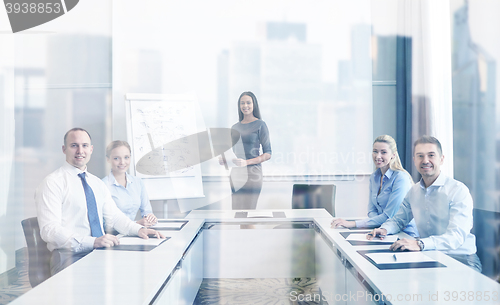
(246, 179)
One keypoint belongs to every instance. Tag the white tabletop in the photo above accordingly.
(229, 215)
(115, 277)
(130, 277)
(413, 284)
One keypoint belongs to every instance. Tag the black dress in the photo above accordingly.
(246, 182)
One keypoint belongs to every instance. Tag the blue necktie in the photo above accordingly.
(95, 225)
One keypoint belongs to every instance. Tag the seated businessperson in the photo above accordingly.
(127, 191)
(389, 185)
(72, 204)
(441, 206)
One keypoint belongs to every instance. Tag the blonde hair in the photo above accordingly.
(116, 144)
(395, 163)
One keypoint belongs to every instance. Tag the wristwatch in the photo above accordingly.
(420, 244)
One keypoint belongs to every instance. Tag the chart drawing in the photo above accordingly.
(160, 143)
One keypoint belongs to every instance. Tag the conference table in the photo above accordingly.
(264, 244)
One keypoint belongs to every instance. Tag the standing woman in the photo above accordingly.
(388, 187)
(127, 191)
(246, 179)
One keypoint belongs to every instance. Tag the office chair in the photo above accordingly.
(306, 196)
(38, 254)
(487, 231)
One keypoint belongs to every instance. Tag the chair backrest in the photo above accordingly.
(38, 254)
(306, 196)
(487, 231)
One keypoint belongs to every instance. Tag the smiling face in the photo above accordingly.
(428, 161)
(246, 105)
(78, 149)
(119, 158)
(382, 155)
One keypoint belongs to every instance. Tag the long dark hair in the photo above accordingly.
(256, 111)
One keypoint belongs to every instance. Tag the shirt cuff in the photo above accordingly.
(389, 228)
(428, 243)
(146, 213)
(87, 244)
(134, 231)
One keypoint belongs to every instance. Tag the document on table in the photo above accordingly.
(362, 237)
(259, 214)
(163, 225)
(399, 257)
(133, 241)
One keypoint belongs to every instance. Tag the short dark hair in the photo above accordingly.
(430, 140)
(256, 111)
(75, 129)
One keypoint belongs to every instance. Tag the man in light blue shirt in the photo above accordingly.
(441, 206)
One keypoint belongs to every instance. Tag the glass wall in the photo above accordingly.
(309, 65)
(476, 118)
(52, 78)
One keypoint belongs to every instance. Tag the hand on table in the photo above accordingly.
(148, 220)
(405, 244)
(381, 233)
(107, 240)
(344, 223)
(144, 233)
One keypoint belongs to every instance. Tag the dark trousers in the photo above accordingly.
(62, 258)
(469, 260)
(246, 183)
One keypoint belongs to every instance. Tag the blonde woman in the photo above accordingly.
(127, 191)
(388, 187)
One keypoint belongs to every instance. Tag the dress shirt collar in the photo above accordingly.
(113, 179)
(74, 170)
(388, 173)
(440, 181)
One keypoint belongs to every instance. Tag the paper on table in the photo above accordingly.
(140, 241)
(260, 214)
(362, 237)
(168, 225)
(401, 257)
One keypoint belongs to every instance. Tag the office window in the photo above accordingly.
(52, 78)
(309, 65)
(476, 119)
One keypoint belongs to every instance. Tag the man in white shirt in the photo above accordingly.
(442, 208)
(72, 203)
